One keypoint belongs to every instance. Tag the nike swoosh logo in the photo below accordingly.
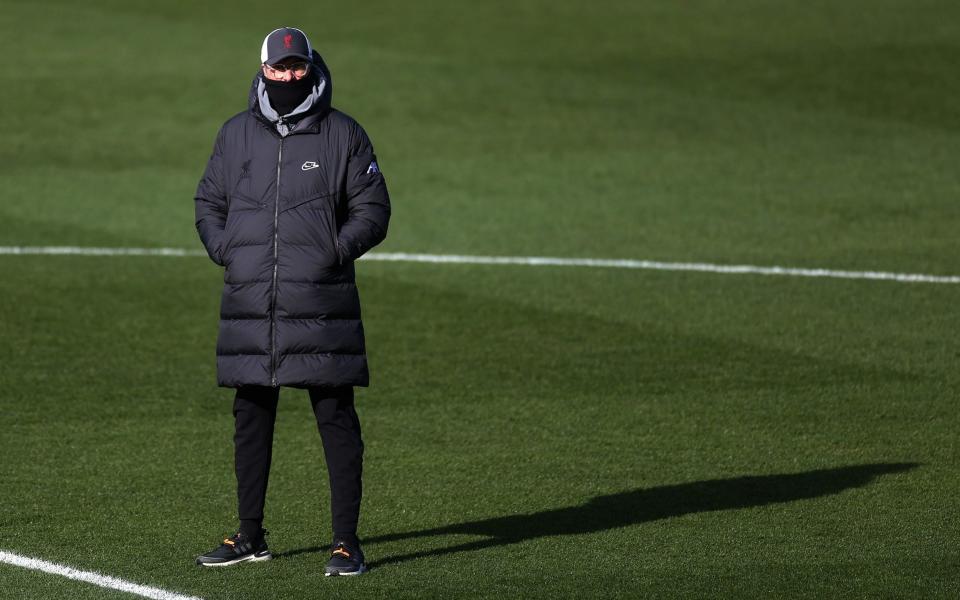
(309, 165)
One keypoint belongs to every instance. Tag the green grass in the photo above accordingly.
(530, 432)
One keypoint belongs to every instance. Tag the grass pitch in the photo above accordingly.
(531, 432)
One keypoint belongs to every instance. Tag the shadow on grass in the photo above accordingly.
(642, 505)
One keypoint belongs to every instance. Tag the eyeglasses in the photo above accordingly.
(299, 69)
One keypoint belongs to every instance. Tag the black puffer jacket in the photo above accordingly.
(287, 216)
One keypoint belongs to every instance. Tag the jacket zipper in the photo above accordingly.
(273, 289)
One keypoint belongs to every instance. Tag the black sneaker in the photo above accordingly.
(235, 550)
(345, 559)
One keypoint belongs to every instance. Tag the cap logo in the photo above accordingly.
(287, 41)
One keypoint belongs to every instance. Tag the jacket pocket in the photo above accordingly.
(328, 232)
(316, 214)
(238, 208)
(313, 202)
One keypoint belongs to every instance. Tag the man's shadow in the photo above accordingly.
(643, 505)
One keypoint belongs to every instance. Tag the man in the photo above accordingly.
(291, 196)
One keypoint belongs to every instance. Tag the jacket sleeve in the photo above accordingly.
(367, 201)
(211, 204)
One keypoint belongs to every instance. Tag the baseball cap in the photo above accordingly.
(283, 43)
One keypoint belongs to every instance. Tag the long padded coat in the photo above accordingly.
(287, 216)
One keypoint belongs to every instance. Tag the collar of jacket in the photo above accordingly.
(302, 118)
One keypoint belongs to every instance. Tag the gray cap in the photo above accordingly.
(283, 43)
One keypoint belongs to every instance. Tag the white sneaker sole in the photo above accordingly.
(251, 558)
(360, 571)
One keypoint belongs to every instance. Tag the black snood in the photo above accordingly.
(287, 95)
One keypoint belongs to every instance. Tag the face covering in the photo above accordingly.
(287, 95)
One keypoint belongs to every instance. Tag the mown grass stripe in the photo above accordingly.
(92, 577)
(542, 261)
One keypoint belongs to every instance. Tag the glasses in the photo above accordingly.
(299, 69)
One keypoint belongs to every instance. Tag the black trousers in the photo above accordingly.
(255, 412)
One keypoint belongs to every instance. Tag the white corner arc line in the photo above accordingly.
(612, 263)
(97, 579)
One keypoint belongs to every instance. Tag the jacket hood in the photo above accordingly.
(319, 99)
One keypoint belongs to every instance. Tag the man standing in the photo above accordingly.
(291, 196)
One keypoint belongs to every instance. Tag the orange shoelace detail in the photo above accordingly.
(230, 542)
(342, 552)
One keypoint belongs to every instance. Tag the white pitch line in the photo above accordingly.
(94, 251)
(97, 579)
(624, 263)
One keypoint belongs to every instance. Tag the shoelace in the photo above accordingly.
(341, 550)
(235, 539)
